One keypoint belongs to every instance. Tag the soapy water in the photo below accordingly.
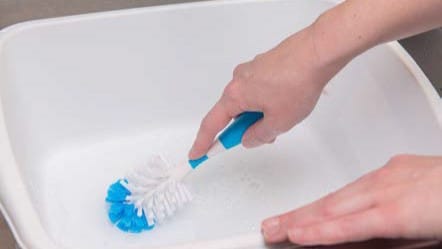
(232, 192)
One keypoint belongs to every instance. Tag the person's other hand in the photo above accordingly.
(283, 83)
(402, 199)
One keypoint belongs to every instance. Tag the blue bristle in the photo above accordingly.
(139, 224)
(123, 214)
(116, 211)
(117, 192)
(124, 223)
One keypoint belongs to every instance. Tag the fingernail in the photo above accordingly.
(271, 226)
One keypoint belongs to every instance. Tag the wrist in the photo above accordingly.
(339, 35)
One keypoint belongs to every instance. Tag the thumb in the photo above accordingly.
(262, 132)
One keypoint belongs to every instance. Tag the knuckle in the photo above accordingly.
(231, 91)
(399, 159)
(258, 56)
(380, 175)
(238, 71)
(242, 71)
(369, 177)
(233, 99)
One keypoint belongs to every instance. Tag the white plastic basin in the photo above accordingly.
(86, 98)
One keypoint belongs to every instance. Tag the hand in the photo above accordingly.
(402, 199)
(283, 83)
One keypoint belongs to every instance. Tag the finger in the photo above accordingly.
(215, 120)
(352, 198)
(359, 226)
(275, 229)
(262, 132)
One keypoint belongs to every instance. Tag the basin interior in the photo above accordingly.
(88, 98)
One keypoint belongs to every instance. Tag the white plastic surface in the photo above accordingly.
(86, 98)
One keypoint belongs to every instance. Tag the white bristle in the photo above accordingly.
(156, 189)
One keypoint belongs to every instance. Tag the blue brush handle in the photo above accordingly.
(233, 134)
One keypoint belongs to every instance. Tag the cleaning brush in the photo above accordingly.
(148, 195)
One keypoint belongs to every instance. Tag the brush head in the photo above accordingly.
(147, 196)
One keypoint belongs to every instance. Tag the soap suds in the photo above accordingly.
(233, 192)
